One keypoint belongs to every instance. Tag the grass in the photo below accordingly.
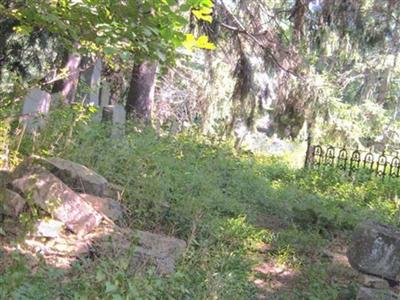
(227, 205)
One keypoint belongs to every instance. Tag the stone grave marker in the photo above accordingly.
(36, 106)
(92, 78)
(105, 94)
(115, 114)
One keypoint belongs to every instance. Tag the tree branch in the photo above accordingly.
(241, 29)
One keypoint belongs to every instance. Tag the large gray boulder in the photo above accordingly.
(53, 196)
(375, 294)
(375, 249)
(76, 176)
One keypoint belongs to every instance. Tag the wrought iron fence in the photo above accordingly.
(352, 160)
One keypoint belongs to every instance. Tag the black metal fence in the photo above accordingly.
(352, 160)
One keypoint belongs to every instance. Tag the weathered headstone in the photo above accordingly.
(53, 196)
(115, 114)
(119, 118)
(375, 249)
(36, 105)
(92, 79)
(105, 94)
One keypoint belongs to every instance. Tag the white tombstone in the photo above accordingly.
(36, 106)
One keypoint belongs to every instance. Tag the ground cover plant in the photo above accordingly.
(181, 106)
(238, 211)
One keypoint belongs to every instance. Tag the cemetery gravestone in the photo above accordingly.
(105, 94)
(115, 114)
(36, 105)
(91, 78)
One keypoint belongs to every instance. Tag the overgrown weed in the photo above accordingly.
(201, 190)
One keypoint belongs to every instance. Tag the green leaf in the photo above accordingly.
(203, 14)
(111, 288)
(204, 43)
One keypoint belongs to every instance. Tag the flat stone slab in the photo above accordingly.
(144, 248)
(375, 249)
(53, 196)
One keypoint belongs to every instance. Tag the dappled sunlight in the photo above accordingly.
(61, 251)
(272, 279)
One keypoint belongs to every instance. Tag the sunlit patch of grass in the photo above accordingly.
(199, 189)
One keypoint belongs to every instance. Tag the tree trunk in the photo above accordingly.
(67, 87)
(298, 14)
(141, 91)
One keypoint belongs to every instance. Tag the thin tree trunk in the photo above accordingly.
(298, 14)
(68, 86)
(141, 91)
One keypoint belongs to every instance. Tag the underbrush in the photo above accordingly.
(220, 201)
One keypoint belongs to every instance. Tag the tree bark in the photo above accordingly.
(68, 86)
(141, 91)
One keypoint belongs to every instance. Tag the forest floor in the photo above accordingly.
(256, 228)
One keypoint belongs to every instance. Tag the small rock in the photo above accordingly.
(375, 294)
(375, 249)
(373, 282)
(109, 207)
(48, 228)
(53, 196)
(11, 203)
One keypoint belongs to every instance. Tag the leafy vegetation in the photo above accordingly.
(203, 81)
(244, 202)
